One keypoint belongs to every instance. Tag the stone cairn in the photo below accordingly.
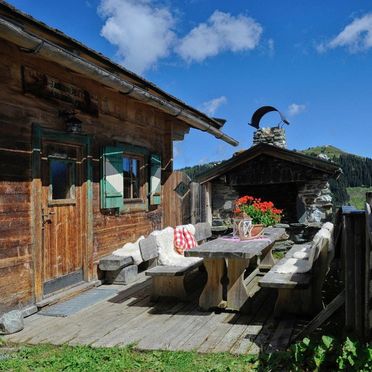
(272, 136)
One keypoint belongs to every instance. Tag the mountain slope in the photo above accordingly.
(330, 151)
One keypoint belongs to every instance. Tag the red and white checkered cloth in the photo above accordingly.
(189, 238)
(183, 239)
(179, 240)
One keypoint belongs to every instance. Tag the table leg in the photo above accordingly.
(237, 293)
(212, 292)
(267, 260)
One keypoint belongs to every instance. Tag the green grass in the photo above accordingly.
(329, 150)
(358, 196)
(278, 255)
(81, 358)
(308, 355)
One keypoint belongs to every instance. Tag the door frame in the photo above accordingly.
(38, 135)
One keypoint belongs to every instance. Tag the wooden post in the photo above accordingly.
(324, 315)
(369, 198)
(37, 238)
(368, 272)
(208, 202)
(354, 256)
(195, 202)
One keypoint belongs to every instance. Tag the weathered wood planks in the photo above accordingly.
(23, 260)
(130, 317)
(221, 248)
(353, 251)
(225, 256)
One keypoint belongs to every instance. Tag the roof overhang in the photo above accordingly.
(16, 29)
(265, 149)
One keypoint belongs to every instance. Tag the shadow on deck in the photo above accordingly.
(131, 317)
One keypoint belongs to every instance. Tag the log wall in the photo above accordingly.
(301, 191)
(120, 118)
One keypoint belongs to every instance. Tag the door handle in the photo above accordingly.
(46, 216)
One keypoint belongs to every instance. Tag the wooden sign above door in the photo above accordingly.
(46, 86)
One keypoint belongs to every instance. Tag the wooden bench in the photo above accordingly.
(300, 292)
(169, 281)
(118, 269)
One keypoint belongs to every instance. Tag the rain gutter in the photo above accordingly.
(31, 43)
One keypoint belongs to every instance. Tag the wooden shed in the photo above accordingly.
(295, 182)
(85, 157)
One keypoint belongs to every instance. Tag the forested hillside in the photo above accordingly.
(193, 171)
(356, 178)
(355, 181)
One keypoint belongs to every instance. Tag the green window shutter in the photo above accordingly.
(112, 185)
(155, 179)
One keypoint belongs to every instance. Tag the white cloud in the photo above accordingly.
(356, 36)
(271, 47)
(210, 107)
(295, 109)
(141, 31)
(222, 32)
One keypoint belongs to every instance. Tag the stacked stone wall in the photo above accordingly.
(272, 136)
(316, 197)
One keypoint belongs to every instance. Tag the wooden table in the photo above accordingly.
(226, 260)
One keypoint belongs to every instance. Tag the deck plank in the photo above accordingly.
(185, 330)
(281, 336)
(131, 317)
(217, 334)
(56, 330)
(195, 340)
(109, 322)
(171, 326)
(140, 326)
(254, 327)
(65, 329)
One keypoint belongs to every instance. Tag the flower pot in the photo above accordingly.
(257, 230)
(244, 228)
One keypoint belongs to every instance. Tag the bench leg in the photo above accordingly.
(297, 302)
(168, 286)
(267, 260)
(213, 290)
(285, 303)
(237, 293)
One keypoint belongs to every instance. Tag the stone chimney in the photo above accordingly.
(272, 136)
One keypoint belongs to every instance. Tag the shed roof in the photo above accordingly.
(265, 149)
(21, 24)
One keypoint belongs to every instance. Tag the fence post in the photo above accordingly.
(353, 252)
(368, 267)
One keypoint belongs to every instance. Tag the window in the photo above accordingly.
(62, 183)
(131, 177)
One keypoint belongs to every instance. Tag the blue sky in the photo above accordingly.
(310, 59)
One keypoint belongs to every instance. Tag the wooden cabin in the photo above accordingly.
(85, 157)
(294, 182)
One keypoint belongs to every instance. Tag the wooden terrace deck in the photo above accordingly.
(130, 317)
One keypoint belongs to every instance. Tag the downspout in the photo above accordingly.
(25, 40)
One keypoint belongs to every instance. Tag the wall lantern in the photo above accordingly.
(73, 124)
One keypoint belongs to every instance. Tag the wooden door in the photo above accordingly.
(63, 222)
(177, 199)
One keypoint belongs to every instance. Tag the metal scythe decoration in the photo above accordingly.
(258, 114)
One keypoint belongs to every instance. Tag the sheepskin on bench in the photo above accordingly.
(168, 277)
(131, 249)
(167, 254)
(299, 280)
